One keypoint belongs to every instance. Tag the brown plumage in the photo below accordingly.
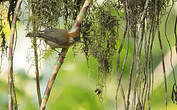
(57, 38)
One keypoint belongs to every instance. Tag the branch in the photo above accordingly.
(37, 71)
(75, 31)
(80, 17)
(10, 59)
(34, 27)
(53, 77)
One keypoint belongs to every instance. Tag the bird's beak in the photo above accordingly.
(81, 41)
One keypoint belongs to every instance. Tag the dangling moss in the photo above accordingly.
(99, 31)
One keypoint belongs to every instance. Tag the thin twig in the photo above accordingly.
(175, 33)
(118, 72)
(10, 59)
(166, 21)
(151, 63)
(123, 95)
(37, 71)
(144, 70)
(118, 61)
(163, 64)
(130, 78)
(36, 57)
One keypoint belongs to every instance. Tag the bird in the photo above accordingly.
(57, 38)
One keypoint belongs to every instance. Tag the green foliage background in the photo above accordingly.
(77, 80)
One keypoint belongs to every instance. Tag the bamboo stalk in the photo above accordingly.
(52, 78)
(10, 58)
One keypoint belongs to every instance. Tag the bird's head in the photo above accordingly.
(77, 39)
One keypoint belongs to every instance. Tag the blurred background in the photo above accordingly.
(78, 78)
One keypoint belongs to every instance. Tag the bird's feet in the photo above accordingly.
(59, 53)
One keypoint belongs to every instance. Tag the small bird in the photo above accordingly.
(57, 38)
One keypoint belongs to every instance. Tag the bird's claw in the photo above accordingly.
(59, 53)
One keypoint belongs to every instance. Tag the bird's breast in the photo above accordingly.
(56, 45)
(71, 40)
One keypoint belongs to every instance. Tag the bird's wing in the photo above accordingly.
(55, 35)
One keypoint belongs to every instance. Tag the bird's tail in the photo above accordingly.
(34, 35)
